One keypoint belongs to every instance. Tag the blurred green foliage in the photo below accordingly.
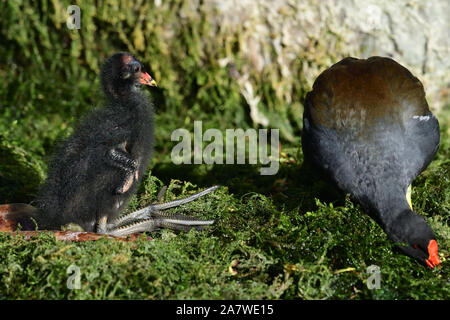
(50, 73)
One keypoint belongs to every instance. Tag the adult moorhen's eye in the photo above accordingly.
(136, 68)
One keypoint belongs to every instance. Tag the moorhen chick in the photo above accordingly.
(94, 173)
(367, 128)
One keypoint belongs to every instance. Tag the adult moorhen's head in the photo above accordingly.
(122, 75)
(411, 229)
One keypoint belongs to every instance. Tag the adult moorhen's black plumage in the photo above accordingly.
(368, 128)
(94, 173)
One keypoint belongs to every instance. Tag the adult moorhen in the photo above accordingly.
(367, 127)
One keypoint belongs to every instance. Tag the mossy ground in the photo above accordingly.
(273, 239)
(286, 236)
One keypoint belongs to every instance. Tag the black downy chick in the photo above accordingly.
(367, 127)
(94, 173)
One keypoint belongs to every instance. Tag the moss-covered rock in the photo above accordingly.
(20, 176)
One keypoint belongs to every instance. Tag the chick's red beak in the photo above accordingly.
(433, 259)
(147, 80)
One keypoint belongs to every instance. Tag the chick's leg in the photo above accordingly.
(152, 218)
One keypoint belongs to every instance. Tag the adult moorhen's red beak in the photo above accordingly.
(433, 259)
(147, 80)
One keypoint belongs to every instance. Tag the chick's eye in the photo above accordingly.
(135, 67)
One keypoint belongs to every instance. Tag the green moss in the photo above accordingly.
(308, 251)
(20, 175)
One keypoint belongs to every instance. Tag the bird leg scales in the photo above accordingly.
(151, 218)
(120, 158)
